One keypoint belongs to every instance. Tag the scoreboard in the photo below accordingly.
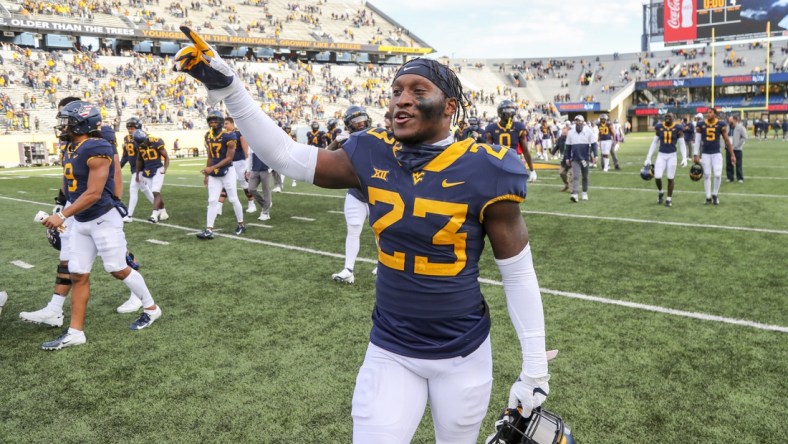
(692, 21)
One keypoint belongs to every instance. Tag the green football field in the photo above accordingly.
(672, 323)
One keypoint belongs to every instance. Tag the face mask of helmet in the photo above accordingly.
(358, 123)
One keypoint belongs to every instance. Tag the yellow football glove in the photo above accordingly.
(202, 62)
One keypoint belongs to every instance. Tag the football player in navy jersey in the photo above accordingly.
(130, 154)
(432, 202)
(239, 163)
(332, 131)
(316, 136)
(356, 209)
(473, 131)
(152, 164)
(606, 137)
(707, 138)
(506, 132)
(220, 174)
(97, 228)
(668, 135)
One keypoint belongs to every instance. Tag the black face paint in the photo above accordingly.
(429, 109)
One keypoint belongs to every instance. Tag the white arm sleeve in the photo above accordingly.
(683, 148)
(249, 162)
(652, 148)
(272, 145)
(696, 148)
(525, 309)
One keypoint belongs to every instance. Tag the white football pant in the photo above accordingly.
(102, 236)
(664, 162)
(392, 392)
(134, 189)
(712, 165)
(356, 213)
(215, 185)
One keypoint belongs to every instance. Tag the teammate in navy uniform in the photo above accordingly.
(316, 137)
(152, 164)
(432, 202)
(506, 132)
(473, 131)
(220, 173)
(130, 154)
(239, 163)
(355, 209)
(97, 228)
(606, 135)
(707, 137)
(332, 131)
(668, 135)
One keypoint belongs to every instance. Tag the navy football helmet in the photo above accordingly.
(315, 126)
(134, 122)
(356, 119)
(53, 236)
(215, 116)
(696, 172)
(140, 136)
(78, 118)
(331, 124)
(506, 111)
(542, 427)
(647, 172)
(473, 123)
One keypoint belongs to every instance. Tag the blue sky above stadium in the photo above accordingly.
(521, 28)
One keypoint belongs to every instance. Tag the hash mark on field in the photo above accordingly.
(336, 212)
(308, 219)
(21, 192)
(22, 264)
(157, 242)
(260, 225)
(657, 222)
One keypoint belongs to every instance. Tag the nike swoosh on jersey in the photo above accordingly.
(447, 184)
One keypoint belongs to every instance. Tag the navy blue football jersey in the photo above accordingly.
(428, 225)
(468, 132)
(606, 131)
(710, 135)
(217, 149)
(689, 132)
(506, 136)
(239, 152)
(668, 136)
(130, 153)
(76, 173)
(151, 156)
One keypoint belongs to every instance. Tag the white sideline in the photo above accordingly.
(628, 304)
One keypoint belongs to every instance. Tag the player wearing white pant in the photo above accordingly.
(707, 137)
(356, 209)
(433, 203)
(239, 164)
(97, 229)
(668, 135)
(130, 154)
(220, 174)
(152, 164)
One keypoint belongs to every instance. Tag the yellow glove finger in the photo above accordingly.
(202, 46)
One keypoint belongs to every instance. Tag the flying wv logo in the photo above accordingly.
(417, 177)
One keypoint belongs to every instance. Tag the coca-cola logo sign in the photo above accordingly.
(673, 12)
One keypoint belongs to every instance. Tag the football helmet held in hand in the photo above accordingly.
(542, 427)
(647, 172)
(696, 172)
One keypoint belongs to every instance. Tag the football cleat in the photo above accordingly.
(264, 216)
(585, 196)
(542, 427)
(67, 339)
(708, 201)
(345, 276)
(45, 316)
(131, 305)
(277, 189)
(153, 219)
(251, 209)
(163, 215)
(294, 182)
(696, 172)
(240, 229)
(573, 197)
(715, 200)
(668, 203)
(660, 198)
(146, 319)
(647, 172)
(205, 234)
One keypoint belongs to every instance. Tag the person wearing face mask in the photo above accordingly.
(581, 148)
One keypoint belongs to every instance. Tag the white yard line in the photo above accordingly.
(22, 264)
